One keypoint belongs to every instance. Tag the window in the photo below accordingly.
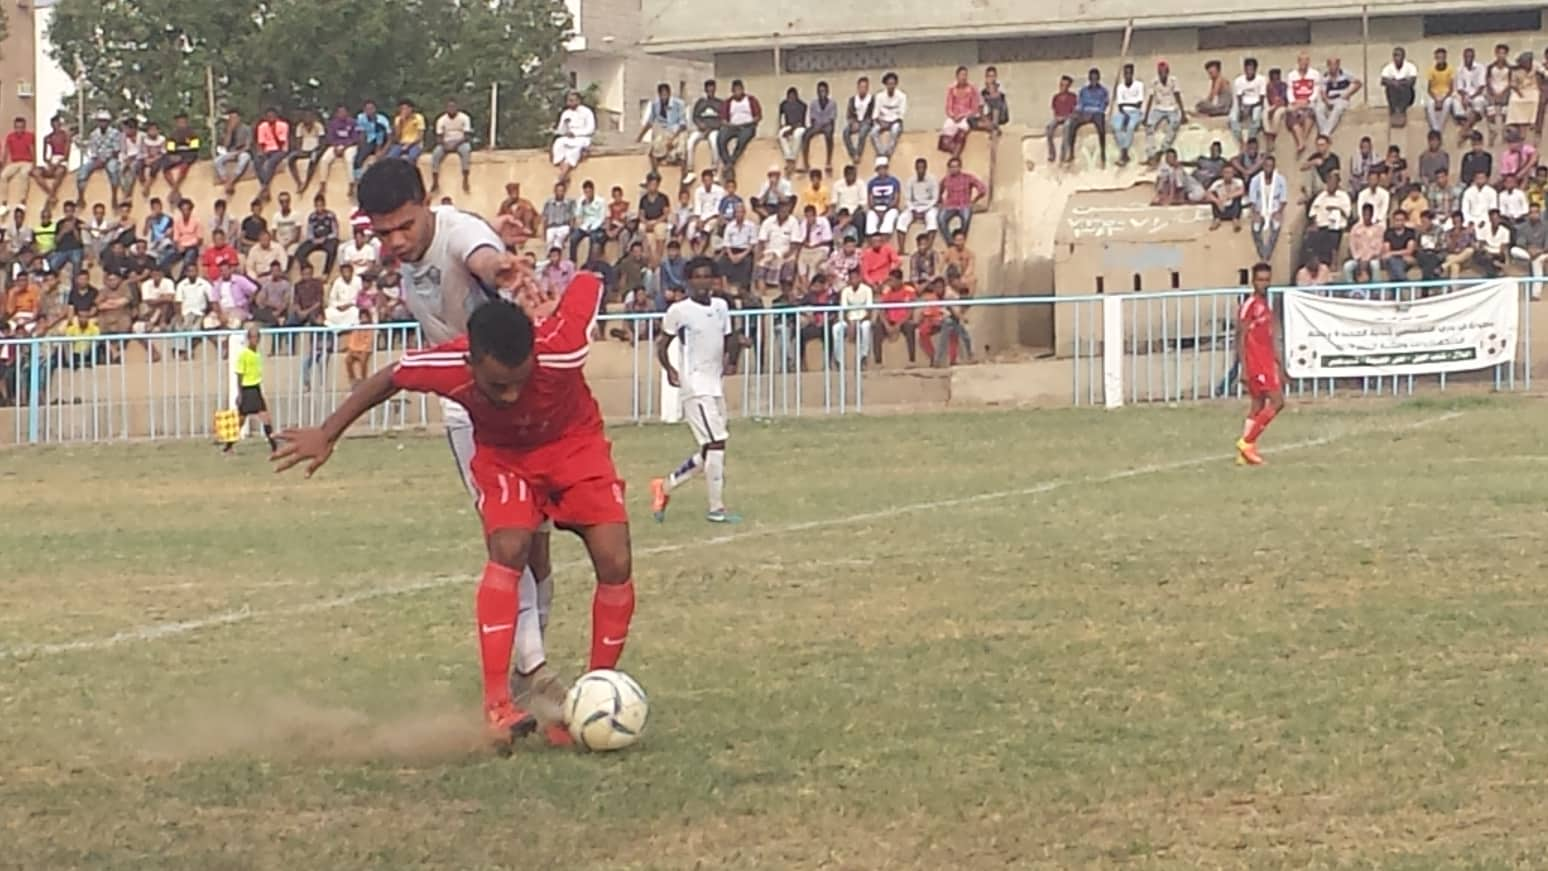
(1255, 34)
(1482, 22)
(840, 58)
(1067, 46)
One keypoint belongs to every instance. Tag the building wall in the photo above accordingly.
(626, 75)
(17, 65)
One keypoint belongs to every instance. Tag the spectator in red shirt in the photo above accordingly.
(964, 105)
(220, 253)
(878, 260)
(1063, 108)
(960, 191)
(894, 322)
(20, 155)
(273, 138)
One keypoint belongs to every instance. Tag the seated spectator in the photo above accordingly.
(883, 194)
(1276, 107)
(1493, 246)
(706, 204)
(1440, 91)
(195, 300)
(1248, 93)
(1090, 108)
(140, 262)
(309, 133)
(1249, 162)
(452, 130)
(131, 160)
(739, 239)
(776, 191)
(742, 114)
(273, 139)
(306, 299)
(1175, 185)
(84, 352)
(183, 146)
(1338, 88)
(673, 274)
(187, 236)
(1433, 159)
(953, 337)
(1376, 195)
(1314, 273)
(778, 239)
(655, 217)
(708, 119)
(104, 151)
(1399, 248)
(1522, 110)
(56, 159)
(1163, 106)
(1413, 204)
(1269, 194)
(1519, 158)
(558, 218)
(960, 271)
(854, 317)
(233, 294)
(844, 226)
(556, 273)
(849, 194)
(253, 226)
(1396, 168)
(1361, 164)
(816, 240)
(1513, 202)
(69, 242)
(891, 108)
(235, 153)
(1225, 199)
(682, 216)
(1321, 165)
(1461, 246)
(963, 108)
(261, 259)
(590, 215)
(1305, 87)
(158, 233)
(1477, 159)
(408, 133)
(1365, 241)
(631, 268)
(1537, 187)
(343, 309)
(996, 109)
(818, 194)
(1432, 247)
(285, 226)
(895, 319)
(517, 219)
(1443, 197)
(572, 137)
(821, 119)
(322, 234)
(20, 158)
(1217, 100)
(1128, 111)
(617, 223)
(877, 260)
(116, 258)
(391, 307)
(1397, 79)
(1531, 247)
(158, 301)
(272, 301)
(922, 202)
(1064, 101)
(792, 127)
(666, 123)
(362, 253)
(1477, 202)
(961, 191)
(82, 299)
(341, 141)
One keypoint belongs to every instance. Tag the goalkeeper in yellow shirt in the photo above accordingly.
(250, 402)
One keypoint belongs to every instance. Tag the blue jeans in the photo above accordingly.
(75, 258)
(407, 152)
(964, 216)
(222, 164)
(854, 140)
(1265, 235)
(268, 164)
(1125, 122)
(1245, 123)
(91, 165)
(884, 138)
(1172, 118)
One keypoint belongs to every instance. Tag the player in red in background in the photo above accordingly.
(1261, 364)
(540, 450)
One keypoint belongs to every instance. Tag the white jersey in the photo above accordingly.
(439, 289)
(701, 332)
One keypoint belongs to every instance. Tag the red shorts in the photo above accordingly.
(1262, 382)
(571, 482)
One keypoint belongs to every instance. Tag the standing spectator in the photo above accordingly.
(572, 137)
(922, 202)
(56, 158)
(273, 138)
(963, 106)
(775, 192)
(408, 133)
(792, 127)
(1248, 92)
(883, 194)
(322, 234)
(1364, 244)
(1128, 111)
(187, 236)
(1217, 102)
(273, 299)
(1269, 194)
(742, 115)
(859, 113)
(778, 240)
(558, 218)
(1305, 86)
(1397, 79)
(1399, 248)
(1063, 111)
(341, 141)
(708, 118)
(1531, 247)
(891, 108)
(286, 226)
(1090, 108)
(821, 118)
(183, 146)
(1225, 199)
(590, 213)
(1440, 91)
(855, 301)
(666, 123)
(960, 192)
(1433, 159)
(221, 254)
(1338, 88)
(104, 151)
(996, 109)
(1163, 105)
(452, 130)
(308, 134)
(235, 153)
(20, 155)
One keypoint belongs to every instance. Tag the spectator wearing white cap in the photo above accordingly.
(883, 194)
(104, 150)
(776, 190)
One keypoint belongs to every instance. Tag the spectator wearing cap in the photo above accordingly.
(776, 191)
(1090, 108)
(234, 152)
(572, 136)
(792, 127)
(891, 108)
(883, 194)
(1063, 105)
(821, 118)
(273, 139)
(665, 121)
(408, 133)
(1163, 106)
(452, 130)
(104, 151)
(963, 108)
(922, 200)
(742, 114)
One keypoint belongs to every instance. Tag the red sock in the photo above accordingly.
(1260, 422)
(612, 607)
(496, 607)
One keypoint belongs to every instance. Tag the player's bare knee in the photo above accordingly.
(538, 558)
(510, 547)
(610, 553)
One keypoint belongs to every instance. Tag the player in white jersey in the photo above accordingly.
(701, 325)
(452, 262)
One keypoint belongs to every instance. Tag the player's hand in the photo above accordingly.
(672, 378)
(310, 446)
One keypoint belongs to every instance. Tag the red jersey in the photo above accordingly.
(555, 403)
(1257, 338)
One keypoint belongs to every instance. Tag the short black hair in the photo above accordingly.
(388, 185)
(699, 263)
(1261, 268)
(500, 330)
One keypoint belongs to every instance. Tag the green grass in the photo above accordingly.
(1027, 640)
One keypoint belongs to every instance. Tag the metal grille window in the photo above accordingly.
(1508, 21)
(840, 58)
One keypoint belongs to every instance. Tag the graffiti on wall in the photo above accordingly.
(1192, 143)
(1130, 222)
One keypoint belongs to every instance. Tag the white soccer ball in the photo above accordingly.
(606, 710)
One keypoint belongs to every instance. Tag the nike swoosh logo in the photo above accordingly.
(488, 629)
(613, 642)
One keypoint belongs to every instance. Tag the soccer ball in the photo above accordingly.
(606, 710)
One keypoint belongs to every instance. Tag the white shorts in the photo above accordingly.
(706, 416)
(459, 434)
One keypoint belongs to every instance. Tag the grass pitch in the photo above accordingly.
(1000, 640)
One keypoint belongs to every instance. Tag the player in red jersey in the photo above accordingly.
(1261, 364)
(540, 451)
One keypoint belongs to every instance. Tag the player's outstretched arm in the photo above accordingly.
(314, 445)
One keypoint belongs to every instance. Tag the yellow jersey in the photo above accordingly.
(249, 368)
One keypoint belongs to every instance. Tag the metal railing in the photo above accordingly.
(1176, 346)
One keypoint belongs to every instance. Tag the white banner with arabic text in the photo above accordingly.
(1328, 337)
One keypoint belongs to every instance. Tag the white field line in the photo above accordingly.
(158, 631)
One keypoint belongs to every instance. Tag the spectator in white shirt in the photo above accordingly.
(1477, 202)
(1468, 101)
(1493, 245)
(1247, 95)
(1330, 212)
(859, 111)
(342, 310)
(1304, 85)
(849, 193)
(855, 299)
(451, 135)
(778, 239)
(922, 197)
(1267, 195)
(1375, 195)
(706, 205)
(736, 254)
(360, 253)
(572, 138)
(1397, 79)
(887, 126)
(816, 245)
(1163, 105)
(1513, 200)
(1128, 111)
(194, 294)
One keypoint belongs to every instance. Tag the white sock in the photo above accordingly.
(682, 474)
(715, 476)
(545, 601)
(529, 626)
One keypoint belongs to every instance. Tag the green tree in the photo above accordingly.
(150, 56)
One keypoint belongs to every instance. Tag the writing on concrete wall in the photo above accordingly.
(1130, 222)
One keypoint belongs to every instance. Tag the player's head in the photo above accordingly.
(701, 279)
(1261, 274)
(500, 350)
(252, 335)
(392, 194)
